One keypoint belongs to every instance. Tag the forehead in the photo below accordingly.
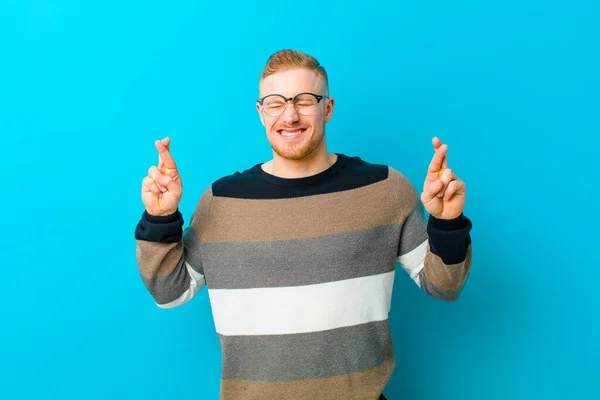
(291, 82)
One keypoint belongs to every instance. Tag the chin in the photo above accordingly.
(295, 155)
(304, 148)
(297, 152)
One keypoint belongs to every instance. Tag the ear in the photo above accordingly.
(260, 114)
(329, 108)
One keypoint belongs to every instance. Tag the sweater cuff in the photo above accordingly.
(162, 229)
(448, 224)
(449, 239)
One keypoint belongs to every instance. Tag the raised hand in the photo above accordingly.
(162, 188)
(443, 193)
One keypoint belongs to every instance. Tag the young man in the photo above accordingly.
(299, 253)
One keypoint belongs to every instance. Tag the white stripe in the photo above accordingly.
(300, 309)
(414, 261)
(197, 282)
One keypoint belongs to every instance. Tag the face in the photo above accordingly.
(294, 136)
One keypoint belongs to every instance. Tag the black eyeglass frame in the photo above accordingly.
(319, 97)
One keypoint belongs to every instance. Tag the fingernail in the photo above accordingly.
(164, 189)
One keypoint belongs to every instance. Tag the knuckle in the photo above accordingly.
(164, 180)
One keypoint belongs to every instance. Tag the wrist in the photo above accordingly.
(162, 218)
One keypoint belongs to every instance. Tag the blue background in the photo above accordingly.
(86, 87)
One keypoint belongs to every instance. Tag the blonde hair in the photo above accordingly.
(289, 59)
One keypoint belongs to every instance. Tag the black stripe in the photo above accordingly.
(254, 183)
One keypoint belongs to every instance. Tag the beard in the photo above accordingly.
(297, 151)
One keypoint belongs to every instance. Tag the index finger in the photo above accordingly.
(165, 159)
(439, 159)
(437, 143)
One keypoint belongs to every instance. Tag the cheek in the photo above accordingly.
(269, 123)
(315, 121)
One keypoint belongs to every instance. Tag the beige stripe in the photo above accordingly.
(245, 220)
(446, 277)
(366, 385)
(200, 217)
(158, 259)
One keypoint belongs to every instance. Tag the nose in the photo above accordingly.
(290, 115)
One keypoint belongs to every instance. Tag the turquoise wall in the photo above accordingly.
(86, 88)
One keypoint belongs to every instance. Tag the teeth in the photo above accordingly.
(293, 133)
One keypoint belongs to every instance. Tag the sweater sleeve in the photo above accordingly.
(169, 257)
(436, 253)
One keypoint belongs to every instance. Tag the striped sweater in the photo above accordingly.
(299, 273)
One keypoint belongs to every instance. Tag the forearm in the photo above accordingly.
(161, 259)
(448, 257)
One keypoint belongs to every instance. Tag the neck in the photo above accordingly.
(315, 163)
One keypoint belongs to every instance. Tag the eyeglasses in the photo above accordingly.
(305, 103)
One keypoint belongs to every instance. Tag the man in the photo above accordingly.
(299, 253)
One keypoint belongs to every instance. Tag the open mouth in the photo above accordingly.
(291, 133)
